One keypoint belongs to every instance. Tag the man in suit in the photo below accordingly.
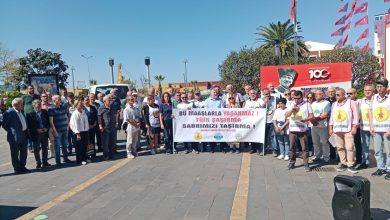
(15, 125)
(38, 126)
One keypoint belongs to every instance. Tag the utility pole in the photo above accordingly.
(111, 63)
(89, 72)
(72, 69)
(185, 61)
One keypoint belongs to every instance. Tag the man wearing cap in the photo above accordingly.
(380, 127)
(286, 79)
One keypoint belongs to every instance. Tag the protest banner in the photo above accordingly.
(219, 125)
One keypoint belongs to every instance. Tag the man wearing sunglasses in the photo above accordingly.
(343, 123)
(300, 113)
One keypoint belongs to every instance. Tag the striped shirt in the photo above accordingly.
(60, 117)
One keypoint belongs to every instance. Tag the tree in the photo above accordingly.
(365, 66)
(159, 78)
(243, 67)
(282, 35)
(39, 61)
(194, 84)
(93, 82)
(132, 84)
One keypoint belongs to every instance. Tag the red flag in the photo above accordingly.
(345, 40)
(292, 11)
(341, 20)
(362, 21)
(366, 47)
(361, 8)
(354, 5)
(347, 27)
(363, 35)
(338, 44)
(349, 15)
(387, 1)
(339, 32)
(344, 8)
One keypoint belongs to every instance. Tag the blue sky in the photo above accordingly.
(202, 31)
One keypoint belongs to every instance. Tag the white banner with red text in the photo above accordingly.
(219, 125)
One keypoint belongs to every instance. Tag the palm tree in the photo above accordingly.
(159, 78)
(194, 84)
(282, 35)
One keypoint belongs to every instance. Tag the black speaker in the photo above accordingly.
(351, 199)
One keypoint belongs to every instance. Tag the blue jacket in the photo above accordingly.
(13, 126)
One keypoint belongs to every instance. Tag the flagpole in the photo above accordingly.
(296, 33)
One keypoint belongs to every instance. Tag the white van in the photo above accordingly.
(106, 88)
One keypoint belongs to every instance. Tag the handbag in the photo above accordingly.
(124, 126)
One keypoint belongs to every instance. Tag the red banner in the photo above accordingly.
(306, 75)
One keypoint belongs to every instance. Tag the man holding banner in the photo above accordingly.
(214, 101)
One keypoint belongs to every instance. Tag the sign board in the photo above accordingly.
(322, 75)
(44, 83)
(219, 125)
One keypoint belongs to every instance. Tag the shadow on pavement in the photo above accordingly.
(379, 214)
(13, 212)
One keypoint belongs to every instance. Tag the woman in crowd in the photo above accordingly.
(91, 112)
(80, 126)
(165, 110)
(234, 146)
(151, 116)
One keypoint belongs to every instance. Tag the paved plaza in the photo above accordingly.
(182, 186)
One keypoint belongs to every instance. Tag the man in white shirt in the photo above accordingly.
(269, 102)
(185, 104)
(232, 93)
(300, 113)
(132, 116)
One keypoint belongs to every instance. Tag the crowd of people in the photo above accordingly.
(321, 126)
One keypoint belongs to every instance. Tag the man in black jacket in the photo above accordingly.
(38, 126)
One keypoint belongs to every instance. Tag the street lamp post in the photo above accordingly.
(72, 69)
(111, 63)
(147, 63)
(185, 61)
(89, 72)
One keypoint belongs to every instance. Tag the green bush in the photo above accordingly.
(10, 96)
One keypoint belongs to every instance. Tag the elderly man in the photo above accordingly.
(232, 93)
(365, 109)
(108, 123)
(132, 116)
(268, 102)
(319, 132)
(38, 127)
(343, 123)
(15, 124)
(99, 100)
(152, 92)
(214, 101)
(352, 94)
(247, 88)
(59, 121)
(331, 97)
(380, 127)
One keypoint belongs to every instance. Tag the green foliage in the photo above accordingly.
(365, 66)
(281, 34)
(39, 61)
(10, 96)
(241, 68)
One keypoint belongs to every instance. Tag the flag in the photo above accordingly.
(339, 32)
(341, 21)
(362, 21)
(363, 35)
(292, 11)
(354, 5)
(387, 1)
(338, 44)
(361, 8)
(349, 15)
(366, 47)
(344, 8)
(347, 27)
(345, 40)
